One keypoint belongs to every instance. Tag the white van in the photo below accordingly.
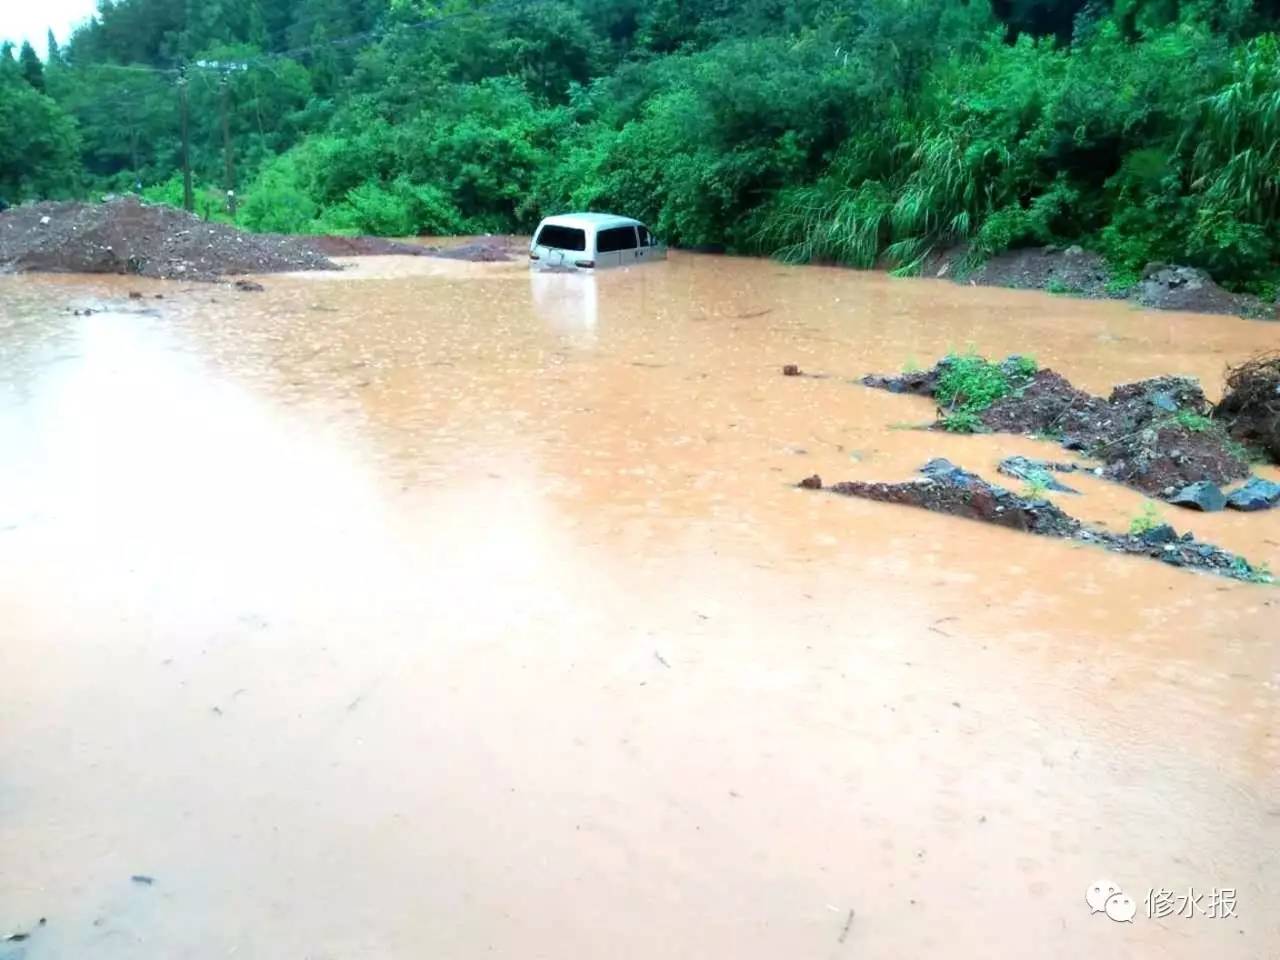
(587, 241)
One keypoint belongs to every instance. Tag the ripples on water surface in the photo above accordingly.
(438, 610)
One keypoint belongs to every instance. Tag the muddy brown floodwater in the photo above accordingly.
(438, 610)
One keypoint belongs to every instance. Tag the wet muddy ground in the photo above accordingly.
(437, 609)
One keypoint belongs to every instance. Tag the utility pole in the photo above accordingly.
(227, 151)
(188, 196)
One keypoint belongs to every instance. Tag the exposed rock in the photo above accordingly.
(1203, 495)
(811, 483)
(1038, 472)
(1161, 535)
(1257, 494)
(790, 370)
(249, 286)
(1187, 288)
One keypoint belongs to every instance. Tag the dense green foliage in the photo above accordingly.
(853, 131)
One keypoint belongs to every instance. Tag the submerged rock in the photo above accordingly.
(1038, 472)
(946, 488)
(1257, 494)
(1203, 495)
(923, 383)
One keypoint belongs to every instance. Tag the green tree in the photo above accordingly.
(32, 68)
(39, 146)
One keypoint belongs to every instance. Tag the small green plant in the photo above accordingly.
(1146, 521)
(1192, 421)
(1023, 367)
(970, 383)
(1252, 572)
(1035, 489)
(961, 421)
(1121, 282)
(1057, 287)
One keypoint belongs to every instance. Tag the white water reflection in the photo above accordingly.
(568, 303)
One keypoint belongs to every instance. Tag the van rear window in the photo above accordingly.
(562, 238)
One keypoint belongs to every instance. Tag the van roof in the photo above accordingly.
(597, 220)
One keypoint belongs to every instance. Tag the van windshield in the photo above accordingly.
(562, 238)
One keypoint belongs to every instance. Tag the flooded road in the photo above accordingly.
(438, 610)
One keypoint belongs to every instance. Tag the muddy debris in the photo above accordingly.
(947, 488)
(249, 286)
(811, 483)
(1155, 435)
(1251, 403)
(790, 370)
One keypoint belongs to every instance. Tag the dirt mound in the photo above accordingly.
(1251, 403)
(126, 236)
(1077, 272)
(1072, 271)
(1049, 404)
(1186, 288)
(946, 488)
(480, 250)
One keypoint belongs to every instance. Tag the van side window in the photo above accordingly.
(645, 239)
(615, 239)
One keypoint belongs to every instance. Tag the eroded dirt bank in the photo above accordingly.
(1161, 435)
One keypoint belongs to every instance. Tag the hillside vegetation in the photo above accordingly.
(857, 132)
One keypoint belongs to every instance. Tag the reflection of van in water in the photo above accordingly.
(590, 240)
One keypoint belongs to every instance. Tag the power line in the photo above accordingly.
(262, 59)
